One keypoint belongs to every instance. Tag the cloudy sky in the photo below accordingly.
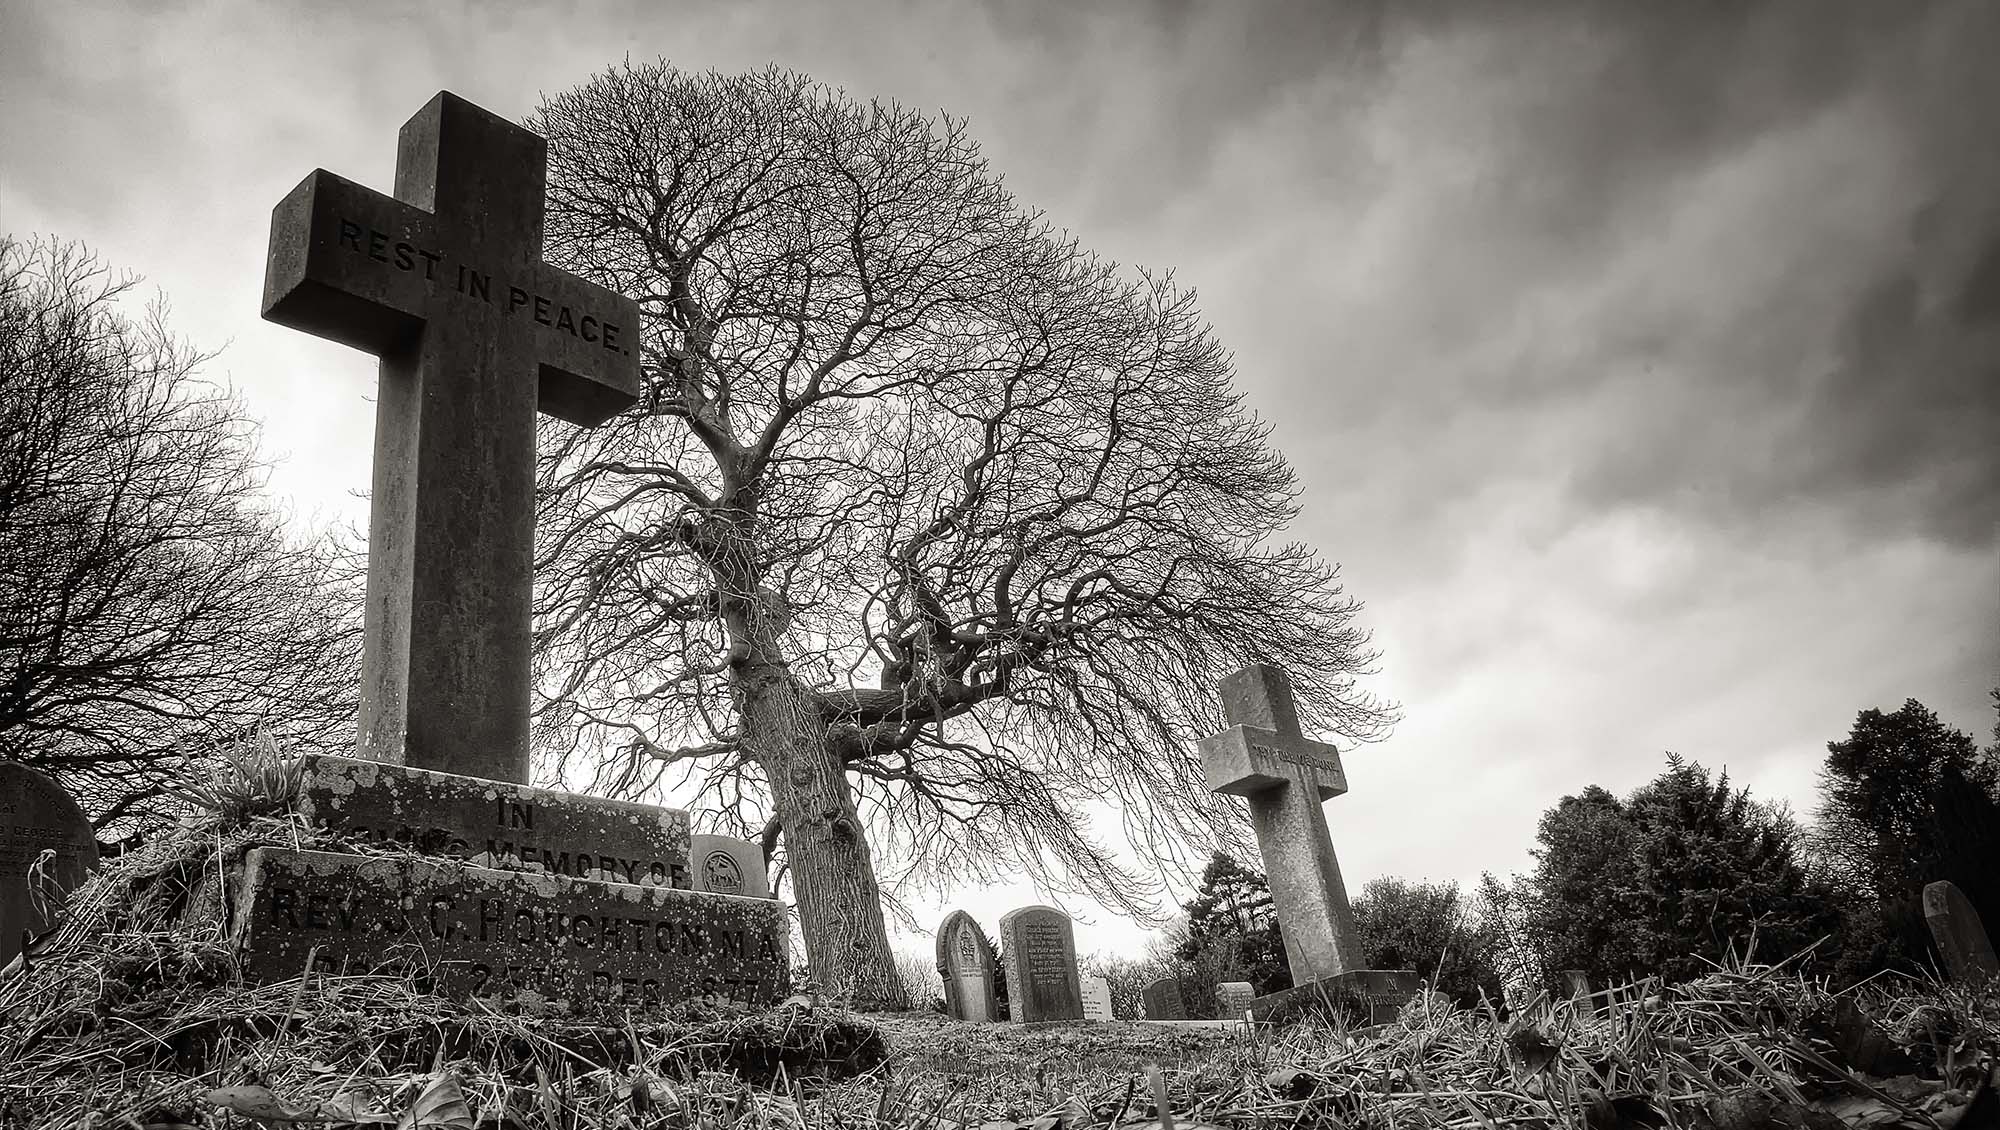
(1642, 367)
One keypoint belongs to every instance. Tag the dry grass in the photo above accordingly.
(131, 1016)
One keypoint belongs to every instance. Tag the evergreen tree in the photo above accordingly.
(1232, 928)
(1429, 927)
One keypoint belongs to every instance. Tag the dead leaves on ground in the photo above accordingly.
(439, 1104)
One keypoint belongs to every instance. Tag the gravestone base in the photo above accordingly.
(1377, 993)
(499, 823)
(473, 931)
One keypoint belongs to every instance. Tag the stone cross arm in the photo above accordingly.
(1248, 760)
(369, 270)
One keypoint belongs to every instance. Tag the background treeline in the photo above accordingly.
(1685, 872)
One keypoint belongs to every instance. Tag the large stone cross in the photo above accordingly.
(1286, 776)
(445, 282)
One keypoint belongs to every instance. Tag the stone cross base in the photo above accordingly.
(493, 889)
(469, 931)
(1377, 993)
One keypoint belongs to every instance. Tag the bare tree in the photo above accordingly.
(151, 604)
(931, 532)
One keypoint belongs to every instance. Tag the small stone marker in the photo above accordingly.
(1576, 981)
(583, 837)
(1097, 999)
(1038, 945)
(445, 282)
(1961, 937)
(37, 816)
(1232, 999)
(726, 865)
(965, 961)
(490, 933)
(1163, 1000)
(1286, 776)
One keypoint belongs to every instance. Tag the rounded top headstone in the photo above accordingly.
(36, 817)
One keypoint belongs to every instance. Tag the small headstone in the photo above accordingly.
(1576, 982)
(37, 816)
(1163, 1000)
(486, 933)
(1232, 999)
(726, 865)
(1097, 999)
(1039, 948)
(1960, 936)
(965, 961)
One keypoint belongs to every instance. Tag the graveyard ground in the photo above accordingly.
(130, 1017)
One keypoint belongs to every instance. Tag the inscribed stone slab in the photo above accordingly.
(37, 816)
(1097, 999)
(1038, 947)
(1961, 937)
(1232, 999)
(965, 961)
(486, 933)
(1163, 1000)
(726, 865)
(582, 837)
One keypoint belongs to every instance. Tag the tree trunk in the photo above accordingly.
(833, 879)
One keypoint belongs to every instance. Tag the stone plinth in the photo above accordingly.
(1163, 1000)
(582, 837)
(725, 865)
(1038, 947)
(480, 932)
(37, 816)
(1376, 993)
(965, 961)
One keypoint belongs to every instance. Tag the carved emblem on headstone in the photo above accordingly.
(723, 876)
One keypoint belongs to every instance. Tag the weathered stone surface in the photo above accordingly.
(1379, 993)
(1961, 937)
(725, 865)
(1038, 947)
(488, 933)
(583, 837)
(1286, 776)
(445, 282)
(37, 816)
(1576, 982)
(965, 961)
(1097, 999)
(1163, 1000)
(1233, 999)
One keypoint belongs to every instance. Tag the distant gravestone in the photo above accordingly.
(1038, 946)
(726, 865)
(1097, 999)
(1232, 999)
(965, 961)
(1576, 982)
(1960, 935)
(1163, 1000)
(37, 817)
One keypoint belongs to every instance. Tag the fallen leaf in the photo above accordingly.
(358, 1105)
(441, 1104)
(1532, 1050)
(253, 1101)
